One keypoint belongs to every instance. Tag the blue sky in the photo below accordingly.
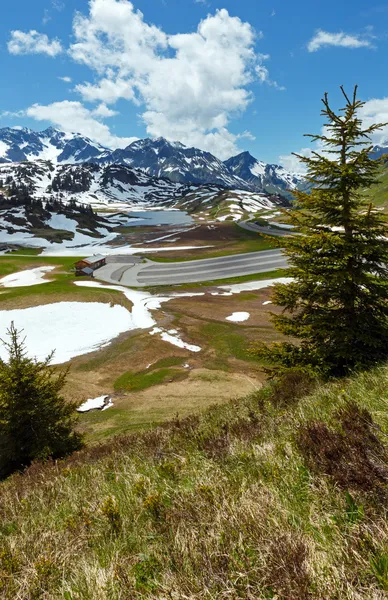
(222, 75)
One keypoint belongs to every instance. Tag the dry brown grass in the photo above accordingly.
(222, 505)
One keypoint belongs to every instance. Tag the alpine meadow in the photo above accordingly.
(193, 300)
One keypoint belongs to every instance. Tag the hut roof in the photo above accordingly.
(95, 258)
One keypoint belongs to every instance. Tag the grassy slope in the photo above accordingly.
(223, 506)
(378, 194)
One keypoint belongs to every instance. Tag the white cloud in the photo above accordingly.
(263, 73)
(376, 111)
(66, 79)
(344, 40)
(74, 117)
(33, 42)
(292, 163)
(107, 90)
(5, 114)
(191, 85)
(104, 111)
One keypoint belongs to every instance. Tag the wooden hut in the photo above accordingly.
(87, 266)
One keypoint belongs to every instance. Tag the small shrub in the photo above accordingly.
(353, 456)
(246, 428)
(154, 505)
(216, 446)
(286, 568)
(292, 385)
(146, 571)
(379, 568)
(112, 514)
(47, 575)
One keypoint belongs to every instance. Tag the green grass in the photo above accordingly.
(224, 505)
(378, 194)
(25, 252)
(136, 382)
(62, 283)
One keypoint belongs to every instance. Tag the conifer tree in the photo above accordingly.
(35, 420)
(337, 304)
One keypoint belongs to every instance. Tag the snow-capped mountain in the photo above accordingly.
(43, 203)
(88, 183)
(119, 186)
(155, 157)
(272, 179)
(179, 163)
(378, 151)
(22, 144)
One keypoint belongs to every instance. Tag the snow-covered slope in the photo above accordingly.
(273, 179)
(157, 158)
(120, 187)
(179, 163)
(20, 144)
(88, 183)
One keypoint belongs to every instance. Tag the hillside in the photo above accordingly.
(266, 497)
(378, 194)
(106, 188)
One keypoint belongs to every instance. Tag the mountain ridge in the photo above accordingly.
(156, 157)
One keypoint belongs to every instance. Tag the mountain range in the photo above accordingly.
(155, 157)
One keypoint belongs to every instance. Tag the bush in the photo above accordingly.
(36, 422)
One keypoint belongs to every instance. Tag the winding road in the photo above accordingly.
(127, 270)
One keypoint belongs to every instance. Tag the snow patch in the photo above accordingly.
(173, 338)
(70, 328)
(101, 403)
(26, 278)
(238, 317)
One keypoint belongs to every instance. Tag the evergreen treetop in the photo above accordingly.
(35, 420)
(336, 307)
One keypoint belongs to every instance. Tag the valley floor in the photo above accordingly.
(194, 357)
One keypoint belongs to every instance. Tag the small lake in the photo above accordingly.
(143, 218)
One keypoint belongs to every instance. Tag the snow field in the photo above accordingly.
(70, 328)
(26, 278)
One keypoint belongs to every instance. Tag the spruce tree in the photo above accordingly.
(35, 420)
(336, 307)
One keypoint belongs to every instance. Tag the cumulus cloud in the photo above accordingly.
(292, 163)
(73, 116)
(191, 85)
(323, 39)
(107, 90)
(33, 42)
(376, 111)
(65, 79)
(104, 111)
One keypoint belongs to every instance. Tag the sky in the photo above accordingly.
(222, 75)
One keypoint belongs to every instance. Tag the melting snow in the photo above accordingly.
(173, 338)
(102, 402)
(238, 317)
(58, 221)
(25, 278)
(236, 288)
(69, 328)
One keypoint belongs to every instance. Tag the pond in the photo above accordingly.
(143, 218)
